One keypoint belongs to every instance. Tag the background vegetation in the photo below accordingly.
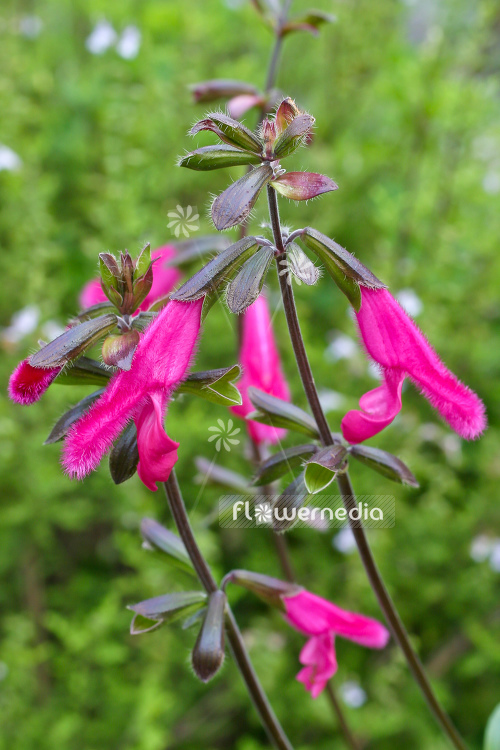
(406, 96)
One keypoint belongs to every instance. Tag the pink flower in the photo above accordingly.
(27, 384)
(322, 621)
(161, 361)
(164, 280)
(261, 368)
(393, 340)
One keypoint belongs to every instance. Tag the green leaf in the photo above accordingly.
(300, 265)
(217, 157)
(84, 371)
(278, 413)
(492, 733)
(384, 463)
(212, 473)
(310, 22)
(91, 312)
(143, 262)
(166, 608)
(70, 344)
(246, 286)
(223, 265)
(214, 385)
(68, 419)
(295, 496)
(321, 469)
(156, 535)
(282, 463)
(124, 455)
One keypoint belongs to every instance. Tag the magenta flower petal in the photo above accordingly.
(261, 368)
(379, 407)
(238, 105)
(157, 452)
(393, 340)
(27, 384)
(161, 361)
(313, 615)
(91, 294)
(318, 656)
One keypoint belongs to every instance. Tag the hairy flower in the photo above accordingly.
(164, 280)
(261, 368)
(395, 343)
(161, 361)
(322, 621)
(27, 384)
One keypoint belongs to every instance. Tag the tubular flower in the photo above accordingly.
(161, 361)
(322, 621)
(261, 368)
(27, 384)
(393, 341)
(164, 280)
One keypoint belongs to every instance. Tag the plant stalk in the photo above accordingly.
(386, 604)
(259, 698)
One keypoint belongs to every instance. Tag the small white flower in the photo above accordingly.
(352, 694)
(344, 541)
(129, 44)
(22, 324)
(103, 36)
(30, 26)
(224, 435)
(183, 220)
(9, 160)
(263, 513)
(410, 302)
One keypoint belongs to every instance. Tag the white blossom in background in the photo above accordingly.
(495, 556)
(103, 36)
(481, 547)
(51, 329)
(344, 541)
(129, 44)
(410, 302)
(353, 694)
(330, 400)
(341, 347)
(491, 182)
(23, 322)
(9, 160)
(30, 26)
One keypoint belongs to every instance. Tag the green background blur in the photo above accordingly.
(406, 97)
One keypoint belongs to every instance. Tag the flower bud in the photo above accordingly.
(272, 590)
(118, 351)
(208, 653)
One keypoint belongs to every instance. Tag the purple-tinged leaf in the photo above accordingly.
(302, 186)
(118, 350)
(247, 284)
(300, 265)
(70, 344)
(64, 423)
(84, 371)
(208, 653)
(286, 112)
(169, 606)
(309, 22)
(124, 455)
(282, 463)
(234, 205)
(384, 463)
(220, 267)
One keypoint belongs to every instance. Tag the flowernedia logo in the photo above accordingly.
(314, 511)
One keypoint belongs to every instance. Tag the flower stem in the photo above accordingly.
(346, 490)
(259, 698)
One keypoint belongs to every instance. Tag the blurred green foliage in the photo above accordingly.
(406, 96)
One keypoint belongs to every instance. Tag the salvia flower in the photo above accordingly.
(164, 280)
(27, 383)
(397, 345)
(322, 621)
(260, 360)
(160, 363)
